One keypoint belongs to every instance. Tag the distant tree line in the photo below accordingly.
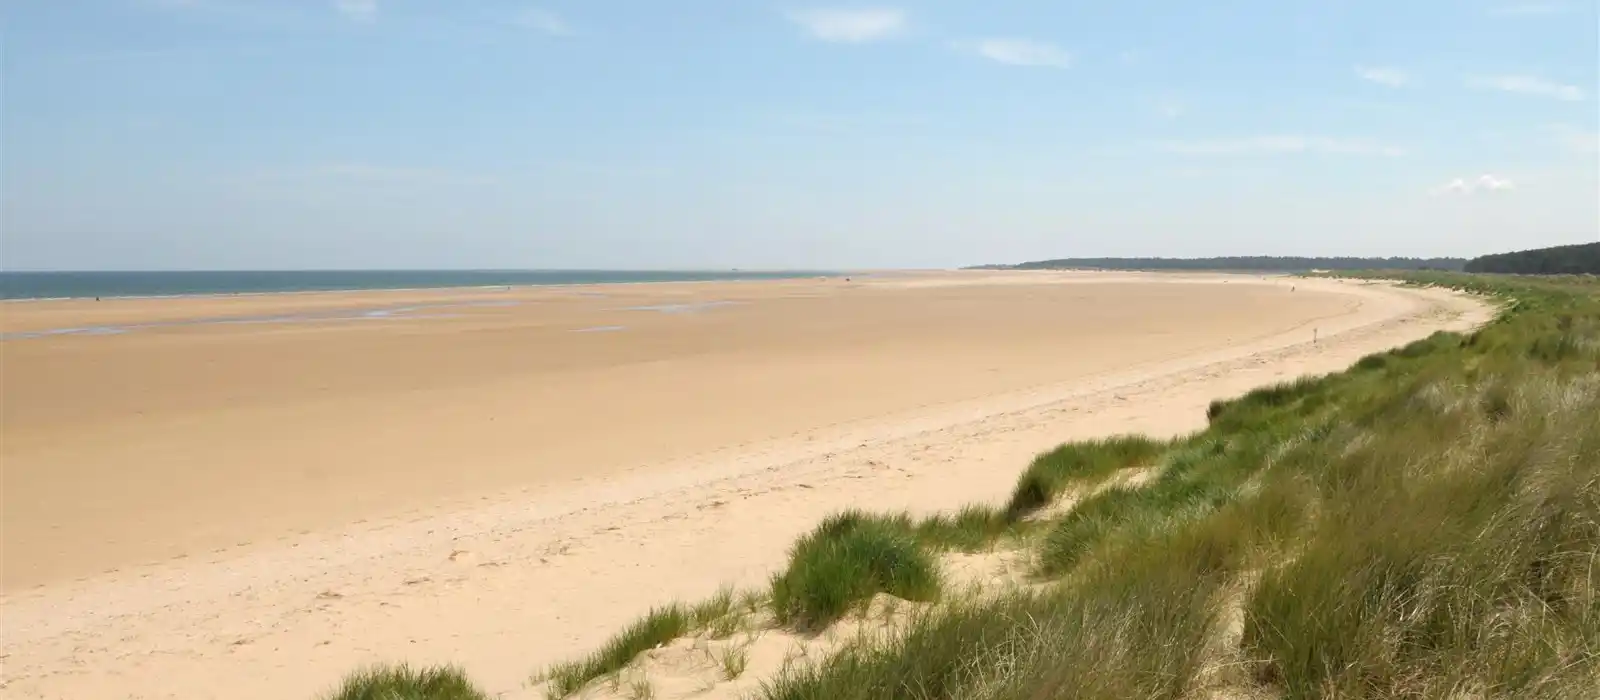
(1583, 258)
(1252, 263)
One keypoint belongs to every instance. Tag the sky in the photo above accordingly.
(706, 134)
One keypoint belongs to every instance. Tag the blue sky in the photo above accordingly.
(269, 134)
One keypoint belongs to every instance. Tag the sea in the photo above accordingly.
(68, 285)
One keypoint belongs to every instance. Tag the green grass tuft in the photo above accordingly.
(1078, 463)
(971, 529)
(403, 682)
(1127, 631)
(849, 558)
(1373, 362)
(660, 626)
(1269, 404)
(712, 610)
(733, 661)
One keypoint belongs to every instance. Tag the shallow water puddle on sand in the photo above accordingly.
(91, 330)
(378, 314)
(685, 308)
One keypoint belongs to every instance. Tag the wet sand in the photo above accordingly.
(281, 487)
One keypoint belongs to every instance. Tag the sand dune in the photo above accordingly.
(247, 497)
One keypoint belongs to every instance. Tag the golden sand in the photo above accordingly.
(497, 477)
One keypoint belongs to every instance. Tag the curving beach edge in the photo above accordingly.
(520, 570)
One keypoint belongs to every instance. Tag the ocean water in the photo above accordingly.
(57, 285)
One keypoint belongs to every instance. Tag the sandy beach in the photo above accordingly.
(246, 497)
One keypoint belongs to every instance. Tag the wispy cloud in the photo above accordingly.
(544, 21)
(1019, 52)
(1382, 75)
(1576, 139)
(1281, 145)
(358, 10)
(1485, 183)
(853, 26)
(1532, 7)
(1528, 85)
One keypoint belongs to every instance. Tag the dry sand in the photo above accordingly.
(501, 478)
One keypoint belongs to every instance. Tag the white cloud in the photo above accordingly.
(544, 21)
(1392, 77)
(1281, 144)
(1528, 85)
(1530, 8)
(358, 10)
(853, 26)
(1019, 52)
(1170, 108)
(1486, 183)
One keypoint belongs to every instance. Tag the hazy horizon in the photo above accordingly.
(7, 270)
(230, 135)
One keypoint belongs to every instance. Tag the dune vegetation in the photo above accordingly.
(1242, 263)
(1425, 524)
(403, 682)
(1583, 258)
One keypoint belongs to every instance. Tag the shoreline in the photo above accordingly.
(779, 276)
(478, 565)
(754, 276)
(172, 441)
